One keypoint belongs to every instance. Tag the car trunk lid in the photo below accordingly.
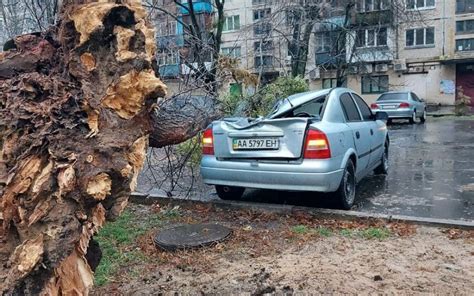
(280, 138)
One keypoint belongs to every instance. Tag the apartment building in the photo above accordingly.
(426, 46)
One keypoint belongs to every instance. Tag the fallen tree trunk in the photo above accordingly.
(76, 104)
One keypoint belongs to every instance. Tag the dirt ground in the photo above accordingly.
(295, 254)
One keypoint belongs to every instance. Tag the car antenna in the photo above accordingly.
(288, 99)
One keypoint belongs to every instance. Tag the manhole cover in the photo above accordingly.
(191, 236)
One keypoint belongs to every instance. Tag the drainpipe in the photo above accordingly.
(444, 26)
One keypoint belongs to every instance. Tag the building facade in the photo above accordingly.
(426, 46)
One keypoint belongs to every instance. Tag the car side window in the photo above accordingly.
(415, 97)
(364, 109)
(349, 107)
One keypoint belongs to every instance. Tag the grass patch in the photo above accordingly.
(324, 231)
(375, 233)
(115, 240)
(300, 229)
(346, 233)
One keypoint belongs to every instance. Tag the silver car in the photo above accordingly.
(321, 141)
(401, 105)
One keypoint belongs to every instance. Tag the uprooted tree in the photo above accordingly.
(76, 104)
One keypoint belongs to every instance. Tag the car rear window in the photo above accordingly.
(393, 97)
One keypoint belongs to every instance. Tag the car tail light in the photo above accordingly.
(208, 142)
(374, 106)
(316, 145)
(404, 105)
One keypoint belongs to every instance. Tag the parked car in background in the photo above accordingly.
(322, 141)
(401, 105)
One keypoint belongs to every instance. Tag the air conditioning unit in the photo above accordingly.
(353, 69)
(315, 74)
(381, 68)
(366, 68)
(399, 65)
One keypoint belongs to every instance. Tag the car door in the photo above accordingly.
(360, 131)
(377, 132)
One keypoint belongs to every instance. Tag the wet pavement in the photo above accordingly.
(431, 175)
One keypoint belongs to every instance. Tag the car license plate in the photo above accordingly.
(256, 144)
(389, 107)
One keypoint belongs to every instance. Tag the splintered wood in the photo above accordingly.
(75, 106)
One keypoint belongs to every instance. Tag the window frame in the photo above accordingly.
(415, 36)
(415, 5)
(262, 58)
(227, 19)
(371, 91)
(333, 82)
(262, 14)
(464, 40)
(375, 40)
(465, 30)
(465, 4)
(231, 51)
(382, 5)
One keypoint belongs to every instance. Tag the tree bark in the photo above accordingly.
(76, 106)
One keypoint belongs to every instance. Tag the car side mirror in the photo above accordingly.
(380, 115)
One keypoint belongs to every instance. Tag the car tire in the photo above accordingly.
(229, 192)
(382, 169)
(412, 119)
(347, 189)
(423, 117)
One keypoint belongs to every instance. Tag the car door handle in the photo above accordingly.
(357, 135)
(371, 132)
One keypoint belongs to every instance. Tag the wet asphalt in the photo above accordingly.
(431, 175)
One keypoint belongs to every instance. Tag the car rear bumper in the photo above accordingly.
(305, 176)
(397, 113)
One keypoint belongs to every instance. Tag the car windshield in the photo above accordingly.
(393, 97)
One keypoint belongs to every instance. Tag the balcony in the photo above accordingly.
(372, 18)
(166, 42)
(169, 71)
(199, 6)
(326, 59)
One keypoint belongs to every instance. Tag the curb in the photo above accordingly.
(145, 199)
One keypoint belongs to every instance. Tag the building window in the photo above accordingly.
(231, 23)
(329, 83)
(167, 58)
(326, 41)
(167, 29)
(420, 37)
(372, 5)
(262, 28)
(263, 45)
(371, 37)
(420, 4)
(261, 14)
(233, 52)
(374, 84)
(463, 6)
(465, 26)
(465, 44)
(263, 61)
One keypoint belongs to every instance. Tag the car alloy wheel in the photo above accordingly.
(423, 118)
(385, 160)
(349, 187)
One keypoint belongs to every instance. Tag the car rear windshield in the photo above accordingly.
(393, 97)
